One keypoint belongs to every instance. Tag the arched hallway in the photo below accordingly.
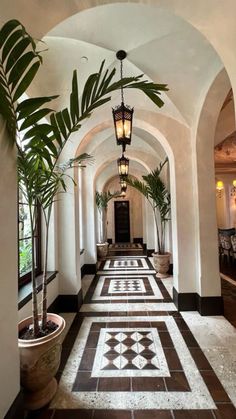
(188, 370)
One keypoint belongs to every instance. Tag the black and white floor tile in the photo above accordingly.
(131, 286)
(129, 351)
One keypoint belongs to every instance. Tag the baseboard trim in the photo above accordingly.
(150, 252)
(192, 301)
(170, 271)
(88, 269)
(65, 303)
(210, 306)
(185, 301)
(16, 410)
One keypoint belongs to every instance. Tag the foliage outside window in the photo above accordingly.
(25, 244)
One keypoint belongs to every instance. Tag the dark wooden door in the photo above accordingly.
(122, 228)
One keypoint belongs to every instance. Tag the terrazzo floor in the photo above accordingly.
(129, 354)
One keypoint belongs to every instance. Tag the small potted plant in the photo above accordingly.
(102, 199)
(39, 146)
(155, 191)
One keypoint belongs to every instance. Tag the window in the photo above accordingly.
(24, 235)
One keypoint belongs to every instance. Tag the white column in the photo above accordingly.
(150, 226)
(182, 221)
(89, 217)
(68, 241)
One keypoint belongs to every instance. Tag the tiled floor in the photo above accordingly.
(129, 354)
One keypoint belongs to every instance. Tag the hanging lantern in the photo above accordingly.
(123, 194)
(122, 114)
(123, 166)
(123, 185)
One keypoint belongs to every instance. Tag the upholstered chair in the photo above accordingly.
(233, 242)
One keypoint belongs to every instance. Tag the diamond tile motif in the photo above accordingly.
(126, 264)
(129, 352)
(132, 286)
(120, 348)
(126, 285)
(139, 361)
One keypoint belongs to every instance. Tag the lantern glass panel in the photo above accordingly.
(123, 129)
(123, 168)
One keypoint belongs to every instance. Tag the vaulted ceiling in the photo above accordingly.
(159, 44)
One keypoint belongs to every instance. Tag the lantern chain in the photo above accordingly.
(121, 77)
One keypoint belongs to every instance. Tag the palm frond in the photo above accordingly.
(102, 198)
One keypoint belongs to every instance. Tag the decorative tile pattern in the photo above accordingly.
(126, 264)
(125, 246)
(183, 388)
(126, 307)
(132, 360)
(126, 285)
(129, 352)
(133, 287)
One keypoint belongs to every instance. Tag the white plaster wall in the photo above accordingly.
(135, 208)
(53, 291)
(9, 355)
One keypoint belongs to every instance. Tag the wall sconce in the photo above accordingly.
(219, 188)
(233, 189)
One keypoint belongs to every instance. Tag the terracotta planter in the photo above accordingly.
(39, 362)
(161, 264)
(102, 250)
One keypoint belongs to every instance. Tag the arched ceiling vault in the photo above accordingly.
(171, 52)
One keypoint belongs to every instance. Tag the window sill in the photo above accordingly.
(25, 292)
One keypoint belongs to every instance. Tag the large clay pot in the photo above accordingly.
(39, 362)
(102, 250)
(161, 264)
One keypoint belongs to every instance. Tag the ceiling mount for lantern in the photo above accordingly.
(121, 54)
(123, 166)
(122, 114)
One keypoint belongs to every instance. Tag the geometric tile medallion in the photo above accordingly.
(133, 287)
(126, 264)
(119, 363)
(132, 352)
(126, 285)
(127, 246)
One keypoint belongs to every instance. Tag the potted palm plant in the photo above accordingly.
(155, 191)
(102, 199)
(39, 146)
